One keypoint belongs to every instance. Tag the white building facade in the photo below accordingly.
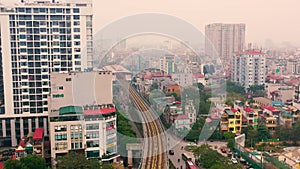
(249, 68)
(38, 37)
(83, 99)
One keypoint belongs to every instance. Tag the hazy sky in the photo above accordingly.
(265, 19)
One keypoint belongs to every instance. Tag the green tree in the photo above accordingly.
(177, 98)
(154, 86)
(193, 135)
(263, 132)
(296, 131)
(12, 164)
(284, 133)
(33, 161)
(76, 161)
(257, 90)
(234, 87)
(107, 166)
(229, 136)
(27, 162)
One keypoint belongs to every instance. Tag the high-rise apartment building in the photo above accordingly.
(167, 64)
(224, 39)
(38, 37)
(249, 68)
(293, 66)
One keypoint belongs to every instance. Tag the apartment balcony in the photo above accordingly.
(270, 125)
(224, 128)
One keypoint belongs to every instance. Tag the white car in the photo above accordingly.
(234, 161)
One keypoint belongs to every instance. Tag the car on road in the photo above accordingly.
(223, 150)
(234, 160)
(171, 152)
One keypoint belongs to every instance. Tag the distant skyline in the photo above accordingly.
(268, 19)
(275, 20)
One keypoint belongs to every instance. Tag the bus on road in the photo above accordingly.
(185, 157)
(190, 165)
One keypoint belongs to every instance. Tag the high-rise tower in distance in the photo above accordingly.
(38, 37)
(224, 39)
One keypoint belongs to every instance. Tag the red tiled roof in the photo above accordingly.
(22, 144)
(214, 116)
(161, 75)
(147, 77)
(207, 120)
(233, 110)
(254, 53)
(184, 116)
(294, 81)
(274, 91)
(177, 102)
(275, 77)
(248, 109)
(272, 109)
(99, 111)
(38, 134)
(198, 75)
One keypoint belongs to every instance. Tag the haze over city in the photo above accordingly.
(149, 85)
(274, 20)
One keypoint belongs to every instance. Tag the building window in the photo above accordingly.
(59, 137)
(94, 143)
(60, 128)
(57, 96)
(76, 10)
(76, 145)
(91, 135)
(94, 126)
(61, 146)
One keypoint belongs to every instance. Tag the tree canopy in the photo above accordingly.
(27, 162)
(211, 159)
(76, 161)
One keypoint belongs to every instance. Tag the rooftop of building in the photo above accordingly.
(181, 117)
(168, 82)
(249, 52)
(71, 110)
(248, 109)
(116, 69)
(272, 109)
(229, 112)
(198, 75)
(48, 3)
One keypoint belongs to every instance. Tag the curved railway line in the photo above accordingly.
(154, 145)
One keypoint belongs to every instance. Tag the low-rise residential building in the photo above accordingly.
(251, 116)
(169, 87)
(82, 115)
(190, 111)
(182, 122)
(286, 116)
(231, 121)
(268, 118)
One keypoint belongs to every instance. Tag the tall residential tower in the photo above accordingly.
(249, 68)
(225, 39)
(38, 37)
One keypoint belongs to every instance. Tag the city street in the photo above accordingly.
(176, 145)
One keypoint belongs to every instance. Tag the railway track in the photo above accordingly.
(154, 145)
